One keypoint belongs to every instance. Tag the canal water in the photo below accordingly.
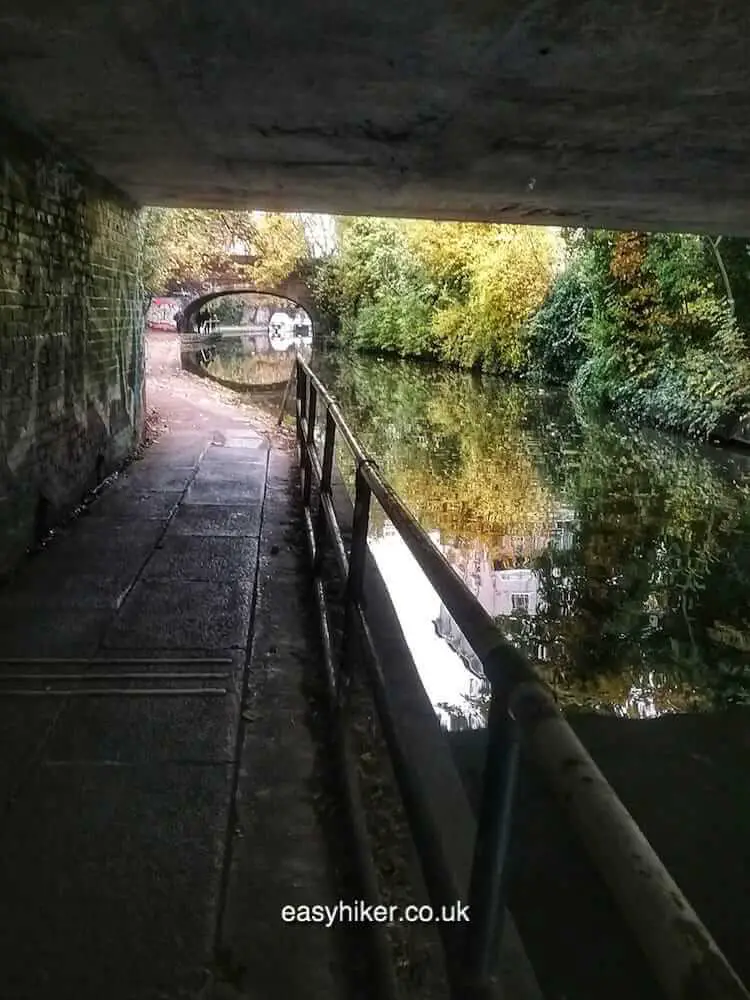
(617, 558)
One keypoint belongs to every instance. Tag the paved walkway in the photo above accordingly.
(157, 777)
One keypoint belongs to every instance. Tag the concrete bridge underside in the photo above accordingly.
(629, 114)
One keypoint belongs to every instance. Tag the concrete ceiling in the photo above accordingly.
(621, 113)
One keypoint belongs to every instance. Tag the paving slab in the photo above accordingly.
(121, 505)
(153, 478)
(217, 520)
(278, 854)
(76, 573)
(134, 832)
(182, 461)
(183, 614)
(234, 492)
(88, 591)
(203, 557)
(111, 881)
(94, 538)
(42, 631)
(25, 726)
(166, 660)
(175, 451)
(278, 469)
(148, 709)
(251, 455)
(154, 724)
(229, 469)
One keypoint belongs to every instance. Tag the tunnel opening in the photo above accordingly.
(245, 340)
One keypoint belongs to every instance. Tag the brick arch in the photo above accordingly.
(294, 290)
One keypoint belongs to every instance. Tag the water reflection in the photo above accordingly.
(250, 339)
(458, 694)
(617, 559)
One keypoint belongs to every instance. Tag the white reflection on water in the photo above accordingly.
(455, 693)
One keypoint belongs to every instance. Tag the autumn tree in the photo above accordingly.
(188, 248)
(458, 292)
(510, 270)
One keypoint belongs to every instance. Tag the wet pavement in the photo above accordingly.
(156, 775)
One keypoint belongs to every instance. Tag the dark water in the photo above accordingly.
(617, 558)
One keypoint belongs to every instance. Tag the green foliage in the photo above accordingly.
(735, 254)
(324, 280)
(654, 325)
(152, 229)
(457, 292)
(186, 246)
(394, 323)
(228, 310)
(184, 249)
(280, 246)
(556, 345)
(662, 343)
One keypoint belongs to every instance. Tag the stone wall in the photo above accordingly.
(71, 337)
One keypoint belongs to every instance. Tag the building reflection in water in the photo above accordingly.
(502, 582)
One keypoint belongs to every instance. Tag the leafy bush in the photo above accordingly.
(556, 344)
(662, 344)
(397, 324)
(697, 391)
(459, 292)
(646, 324)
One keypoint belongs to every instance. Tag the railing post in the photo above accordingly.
(325, 489)
(357, 556)
(293, 374)
(487, 883)
(304, 390)
(312, 409)
(309, 442)
(301, 393)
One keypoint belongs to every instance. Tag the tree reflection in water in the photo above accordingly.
(618, 559)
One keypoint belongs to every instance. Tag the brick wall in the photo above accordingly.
(71, 337)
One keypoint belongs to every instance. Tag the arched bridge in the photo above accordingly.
(294, 288)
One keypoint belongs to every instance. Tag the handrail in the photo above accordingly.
(683, 956)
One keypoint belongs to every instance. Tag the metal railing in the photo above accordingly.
(683, 956)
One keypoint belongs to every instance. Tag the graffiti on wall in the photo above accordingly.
(161, 314)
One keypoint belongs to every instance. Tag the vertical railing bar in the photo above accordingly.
(387, 987)
(307, 432)
(487, 882)
(358, 551)
(309, 442)
(312, 411)
(325, 489)
(301, 389)
(287, 390)
(328, 451)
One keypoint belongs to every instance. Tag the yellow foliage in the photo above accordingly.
(188, 246)
(511, 269)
